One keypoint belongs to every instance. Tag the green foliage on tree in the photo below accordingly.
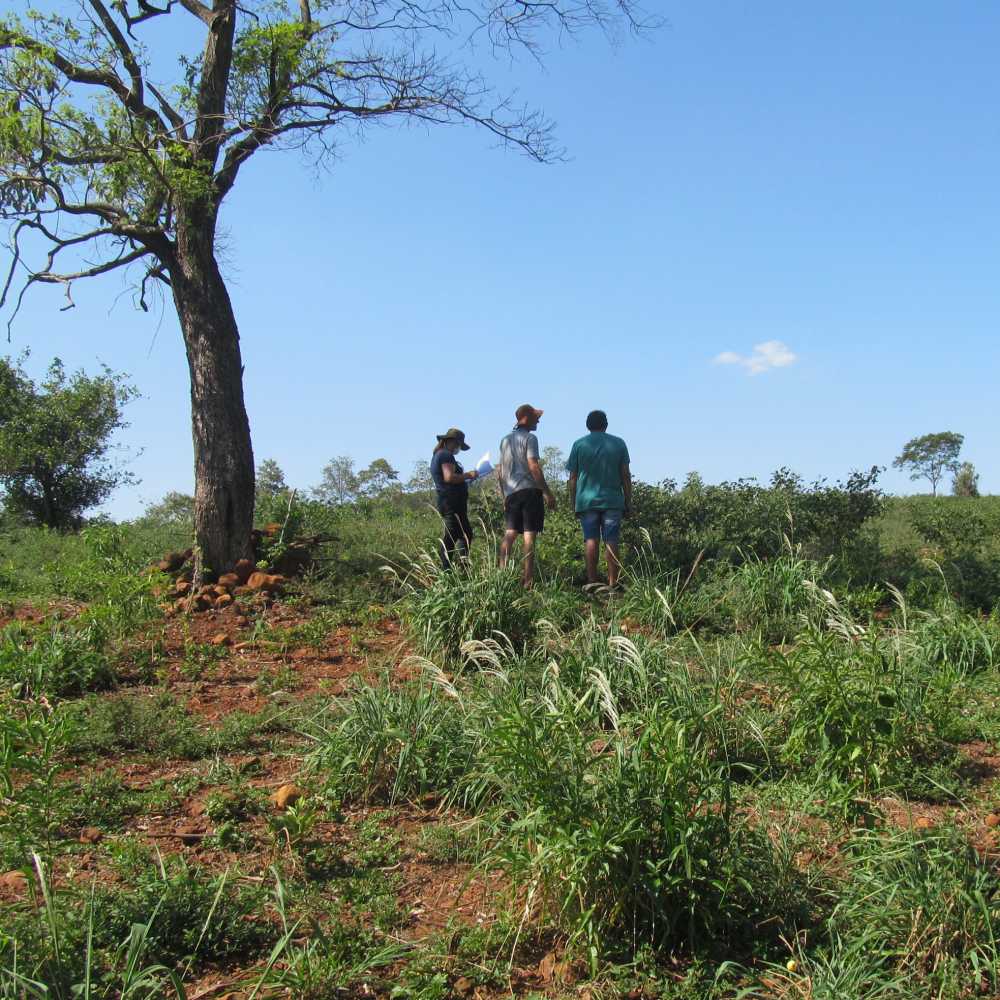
(379, 478)
(930, 456)
(270, 480)
(55, 438)
(175, 508)
(420, 482)
(966, 481)
(339, 484)
(554, 465)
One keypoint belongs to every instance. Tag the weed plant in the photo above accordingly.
(54, 661)
(861, 708)
(600, 803)
(135, 943)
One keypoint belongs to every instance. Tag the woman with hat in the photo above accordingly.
(452, 486)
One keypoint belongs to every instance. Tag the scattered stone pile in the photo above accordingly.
(244, 579)
(217, 592)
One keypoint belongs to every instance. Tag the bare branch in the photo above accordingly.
(47, 276)
(216, 62)
(172, 116)
(199, 10)
(124, 50)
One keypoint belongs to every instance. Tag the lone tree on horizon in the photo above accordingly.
(930, 456)
(104, 165)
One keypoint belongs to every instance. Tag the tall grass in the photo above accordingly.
(474, 600)
(598, 770)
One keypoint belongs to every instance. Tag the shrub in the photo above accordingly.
(734, 520)
(963, 535)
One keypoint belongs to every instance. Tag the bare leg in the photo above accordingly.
(509, 537)
(528, 576)
(614, 564)
(591, 549)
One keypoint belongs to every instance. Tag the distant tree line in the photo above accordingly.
(57, 460)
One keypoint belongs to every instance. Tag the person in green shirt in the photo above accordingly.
(600, 489)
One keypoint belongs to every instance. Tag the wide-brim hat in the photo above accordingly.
(454, 434)
(527, 410)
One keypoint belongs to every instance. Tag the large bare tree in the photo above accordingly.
(117, 151)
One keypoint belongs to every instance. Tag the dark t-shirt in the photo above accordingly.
(457, 493)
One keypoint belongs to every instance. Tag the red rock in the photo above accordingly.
(265, 581)
(243, 569)
(14, 883)
(90, 835)
(992, 820)
(223, 601)
(241, 621)
(924, 823)
(221, 640)
(285, 796)
(229, 580)
(182, 587)
(173, 561)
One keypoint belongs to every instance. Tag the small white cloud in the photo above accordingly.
(770, 354)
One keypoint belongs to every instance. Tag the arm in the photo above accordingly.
(535, 468)
(627, 487)
(572, 490)
(451, 475)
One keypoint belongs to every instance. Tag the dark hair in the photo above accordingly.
(442, 443)
(597, 420)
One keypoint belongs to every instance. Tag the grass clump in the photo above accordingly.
(476, 601)
(396, 743)
(136, 941)
(932, 906)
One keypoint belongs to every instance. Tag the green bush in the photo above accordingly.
(963, 534)
(731, 521)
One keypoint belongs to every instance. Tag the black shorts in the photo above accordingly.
(524, 511)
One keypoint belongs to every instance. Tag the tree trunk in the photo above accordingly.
(223, 456)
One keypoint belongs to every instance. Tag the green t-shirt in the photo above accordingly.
(597, 460)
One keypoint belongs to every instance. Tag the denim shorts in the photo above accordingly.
(606, 524)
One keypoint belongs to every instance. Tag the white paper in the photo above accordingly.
(484, 467)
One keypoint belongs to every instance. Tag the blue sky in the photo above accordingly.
(823, 177)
